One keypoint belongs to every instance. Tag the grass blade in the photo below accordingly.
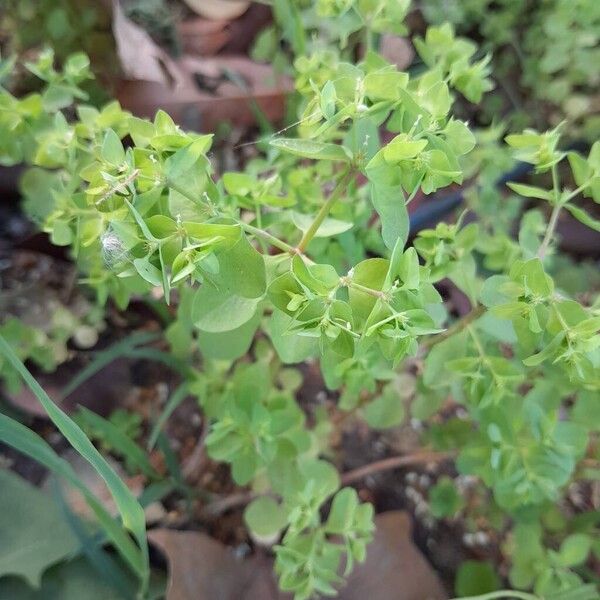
(30, 443)
(119, 441)
(91, 544)
(132, 514)
(177, 397)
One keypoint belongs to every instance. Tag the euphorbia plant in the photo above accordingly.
(289, 250)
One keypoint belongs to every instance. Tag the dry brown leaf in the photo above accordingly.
(395, 568)
(203, 37)
(203, 110)
(201, 568)
(219, 10)
(141, 59)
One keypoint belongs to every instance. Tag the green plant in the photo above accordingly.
(553, 44)
(279, 264)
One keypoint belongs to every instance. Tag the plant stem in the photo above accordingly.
(365, 289)
(222, 505)
(393, 462)
(461, 324)
(550, 230)
(324, 211)
(265, 235)
(258, 212)
(218, 507)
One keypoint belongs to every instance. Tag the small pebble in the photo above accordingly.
(425, 481)
(411, 477)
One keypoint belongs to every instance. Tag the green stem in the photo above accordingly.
(461, 324)
(365, 289)
(551, 229)
(575, 192)
(324, 211)
(265, 235)
(262, 241)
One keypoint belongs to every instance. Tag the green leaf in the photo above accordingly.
(459, 137)
(74, 580)
(216, 311)
(388, 201)
(585, 412)
(229, 345)
(328, 227)
(546, 352)
(148, 271)
(327, 100)
(370, 273)
(238, 184)
(444, 499)
(187, 158)
(290, 348)
(387, 410)
(582, 172)
(112, 149)
(574, 549)
(35, 534)
(311, 149)
(403, 148)
(241, 270)
(61, 234)
(323, 474)
(530, 191)
(476, 577)
(265, 518)
(343, 509)
(583, 217)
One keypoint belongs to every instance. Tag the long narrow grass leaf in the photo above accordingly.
(177, 397)
(91, 546)
(132, 514)
(26, 441)
(119, 441)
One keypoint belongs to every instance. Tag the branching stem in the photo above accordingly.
(551, 229)
(461, 324)
(394, 462)
(265, 235)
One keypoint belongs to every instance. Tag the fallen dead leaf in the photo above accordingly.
(219, 10)
(232, 84)
(243, 31)
(201, 568)
(141, 59)
(395, 568)
(203, 37)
